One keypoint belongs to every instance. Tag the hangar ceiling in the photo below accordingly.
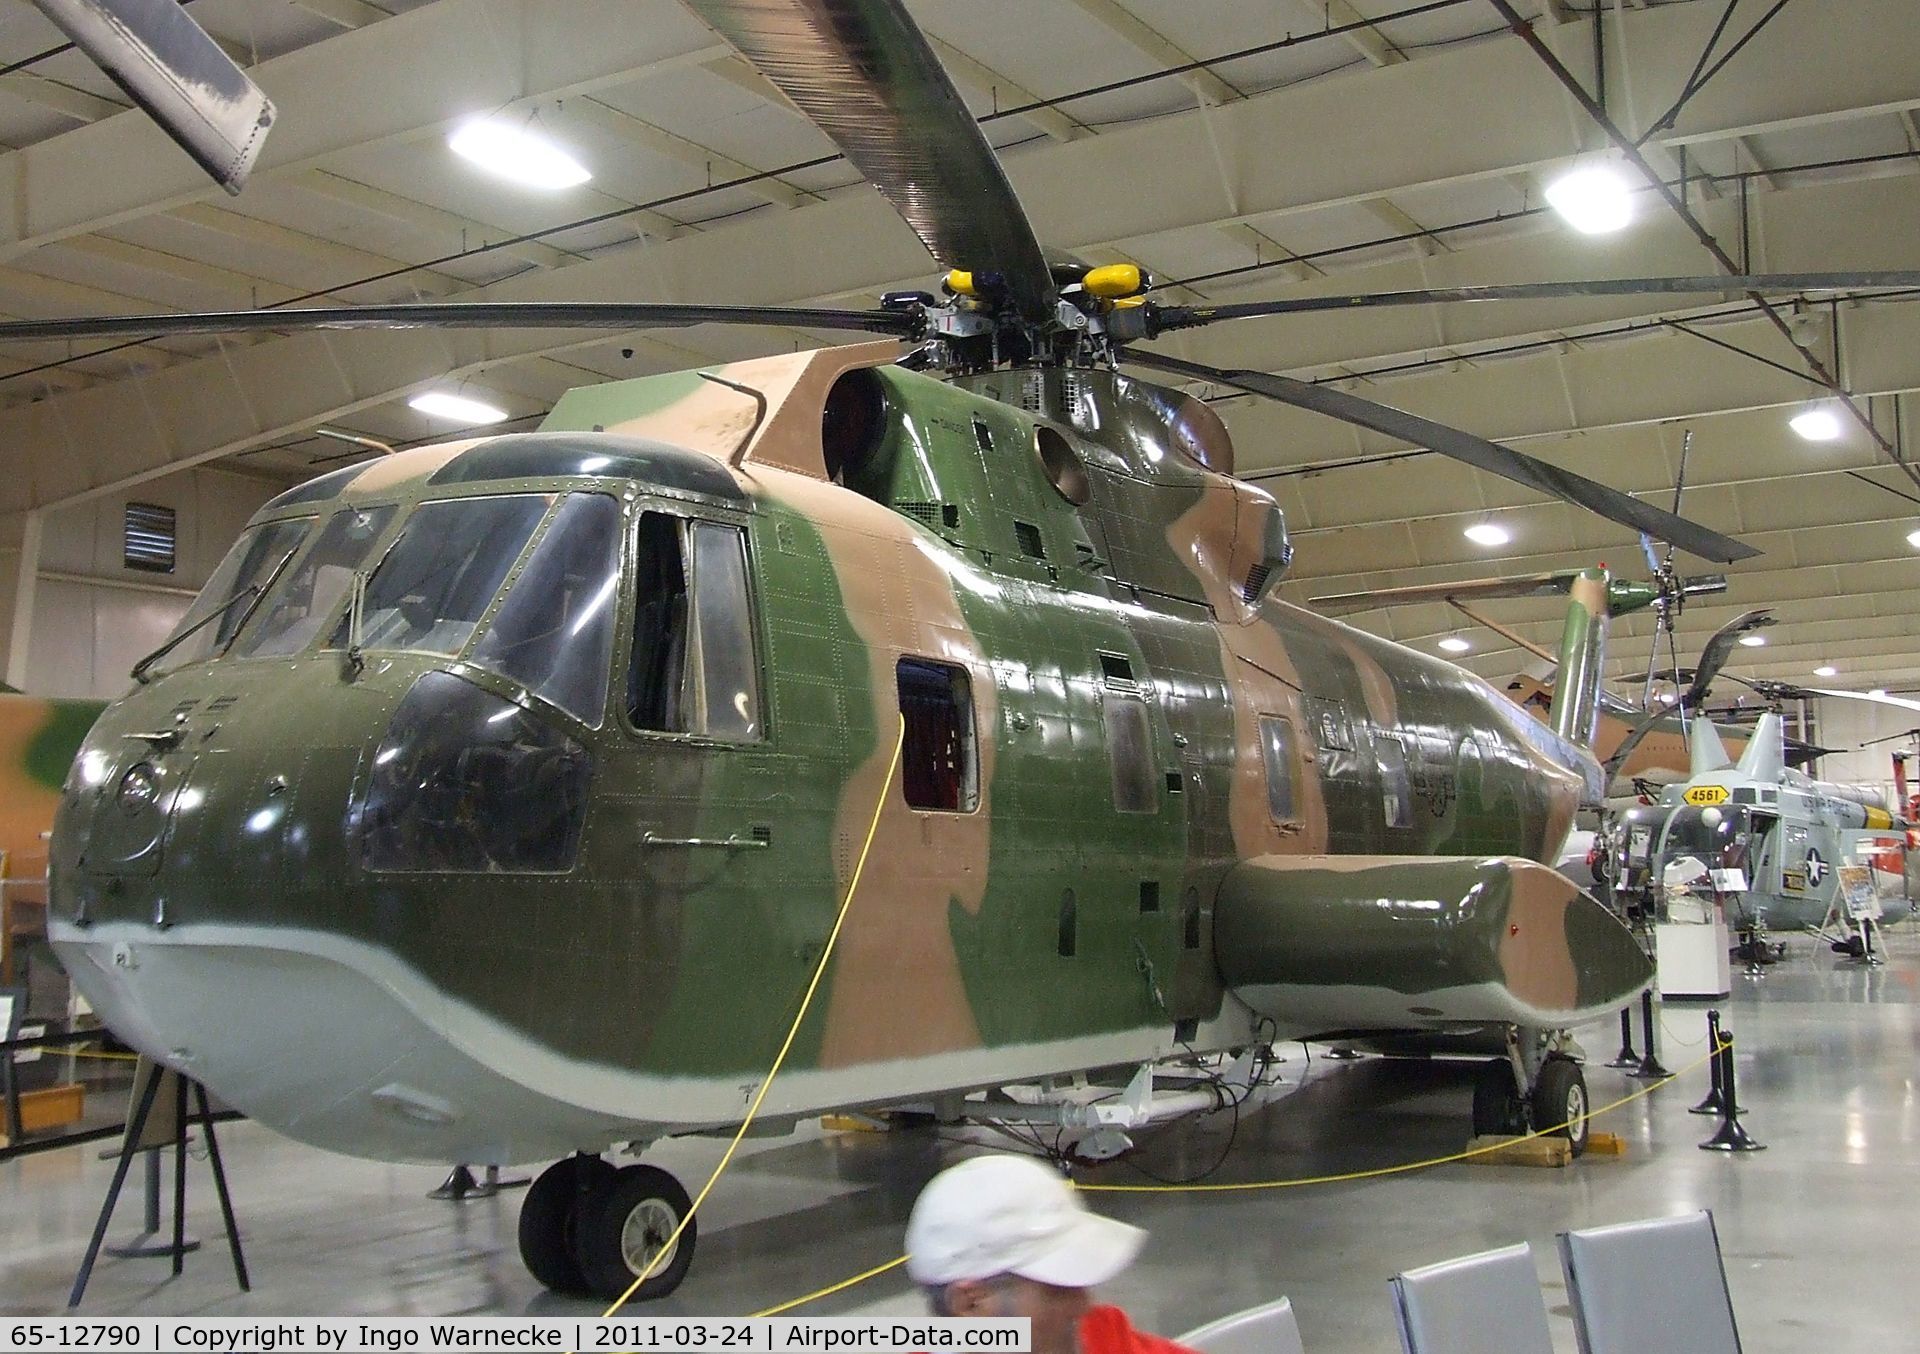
(1240, 149)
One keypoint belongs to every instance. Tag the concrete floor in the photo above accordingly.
(1817, 1230)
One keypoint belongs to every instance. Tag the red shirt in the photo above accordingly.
(1106, 1330)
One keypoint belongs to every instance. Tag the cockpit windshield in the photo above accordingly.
(305, 596)
(251, 565)
(442, 573)
(1716, 836)
(554, 631)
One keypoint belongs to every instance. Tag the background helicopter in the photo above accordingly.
(1285, 774)
(1785, 833)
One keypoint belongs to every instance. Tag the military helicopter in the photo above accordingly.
(494, 800)
(1778, 837)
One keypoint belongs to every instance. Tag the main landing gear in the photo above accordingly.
(591, 1228)
(1556, 1102)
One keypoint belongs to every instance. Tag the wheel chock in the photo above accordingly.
(1508, 1150)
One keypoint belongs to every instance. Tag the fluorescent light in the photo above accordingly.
(1455, 644)
(1753, 641)
(1488, 533)
(1826, 670)
(442, 404)
(515, 153)
(1913, 539)
(1594, 201)
(1816, 423)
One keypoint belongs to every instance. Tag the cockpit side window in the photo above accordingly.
(693, 668)
(306, 595)
(554, 631)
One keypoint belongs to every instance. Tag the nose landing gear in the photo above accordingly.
(587, 1227)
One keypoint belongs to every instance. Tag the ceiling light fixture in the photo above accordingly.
(1488, 533)
(1455, 644)
(1817, 423)
(444, 404)
(1826, 670)
(1878, 691)
(1913, 539)
(1753, 641)
(1596, 200)
(518, 154)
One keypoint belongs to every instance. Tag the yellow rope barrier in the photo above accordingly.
(834, 1288)
(1341, 1178)
(806, 1001)
(1405, 1166)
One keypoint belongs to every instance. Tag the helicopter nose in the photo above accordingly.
(335, 1045)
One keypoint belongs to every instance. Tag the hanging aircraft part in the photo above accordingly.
(170, 67)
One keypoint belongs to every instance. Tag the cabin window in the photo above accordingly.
(1130, 746)
(1395, 794)
(306, 596)
(939, 764)
(554, 631)
(729, 673)
(443, 572)
(1276, 746)
(249, 568)
(693, 668)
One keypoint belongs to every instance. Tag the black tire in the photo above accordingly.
(549, 1221)
(1560, 1103)
(630, 1218)
(1498, 1109)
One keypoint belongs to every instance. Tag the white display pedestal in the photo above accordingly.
(1691, 958)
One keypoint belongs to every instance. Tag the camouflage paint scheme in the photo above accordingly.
(38, 740)
(507, 1017)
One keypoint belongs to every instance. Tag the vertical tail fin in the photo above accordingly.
(1705, 751)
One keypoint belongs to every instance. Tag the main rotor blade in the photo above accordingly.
(616, 315)
(1714, 655)
(1464, 446)
(1186, 317)
(168, 65)
(864, 73)
(1521, 585)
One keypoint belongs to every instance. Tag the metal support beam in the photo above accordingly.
(1365, 39)
(24, 585)
(1523, 28)
(1207, 86)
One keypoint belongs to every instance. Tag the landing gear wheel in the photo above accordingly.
(1560, 1102)
(1498, 1110)
(549, 1220)
(629, 1222)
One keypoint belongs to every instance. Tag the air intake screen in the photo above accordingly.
(149, 538)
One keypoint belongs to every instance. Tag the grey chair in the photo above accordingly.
(1266, 1329)
(1474, 1305)
(1652, 1285)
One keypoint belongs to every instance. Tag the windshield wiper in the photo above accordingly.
(139, 673)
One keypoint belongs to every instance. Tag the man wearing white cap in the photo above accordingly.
(1006, 1236)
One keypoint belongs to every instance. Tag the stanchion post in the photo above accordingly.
(1626, 1057)
(1716, 1100)
(1733, 1136)
(1649, 1067)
